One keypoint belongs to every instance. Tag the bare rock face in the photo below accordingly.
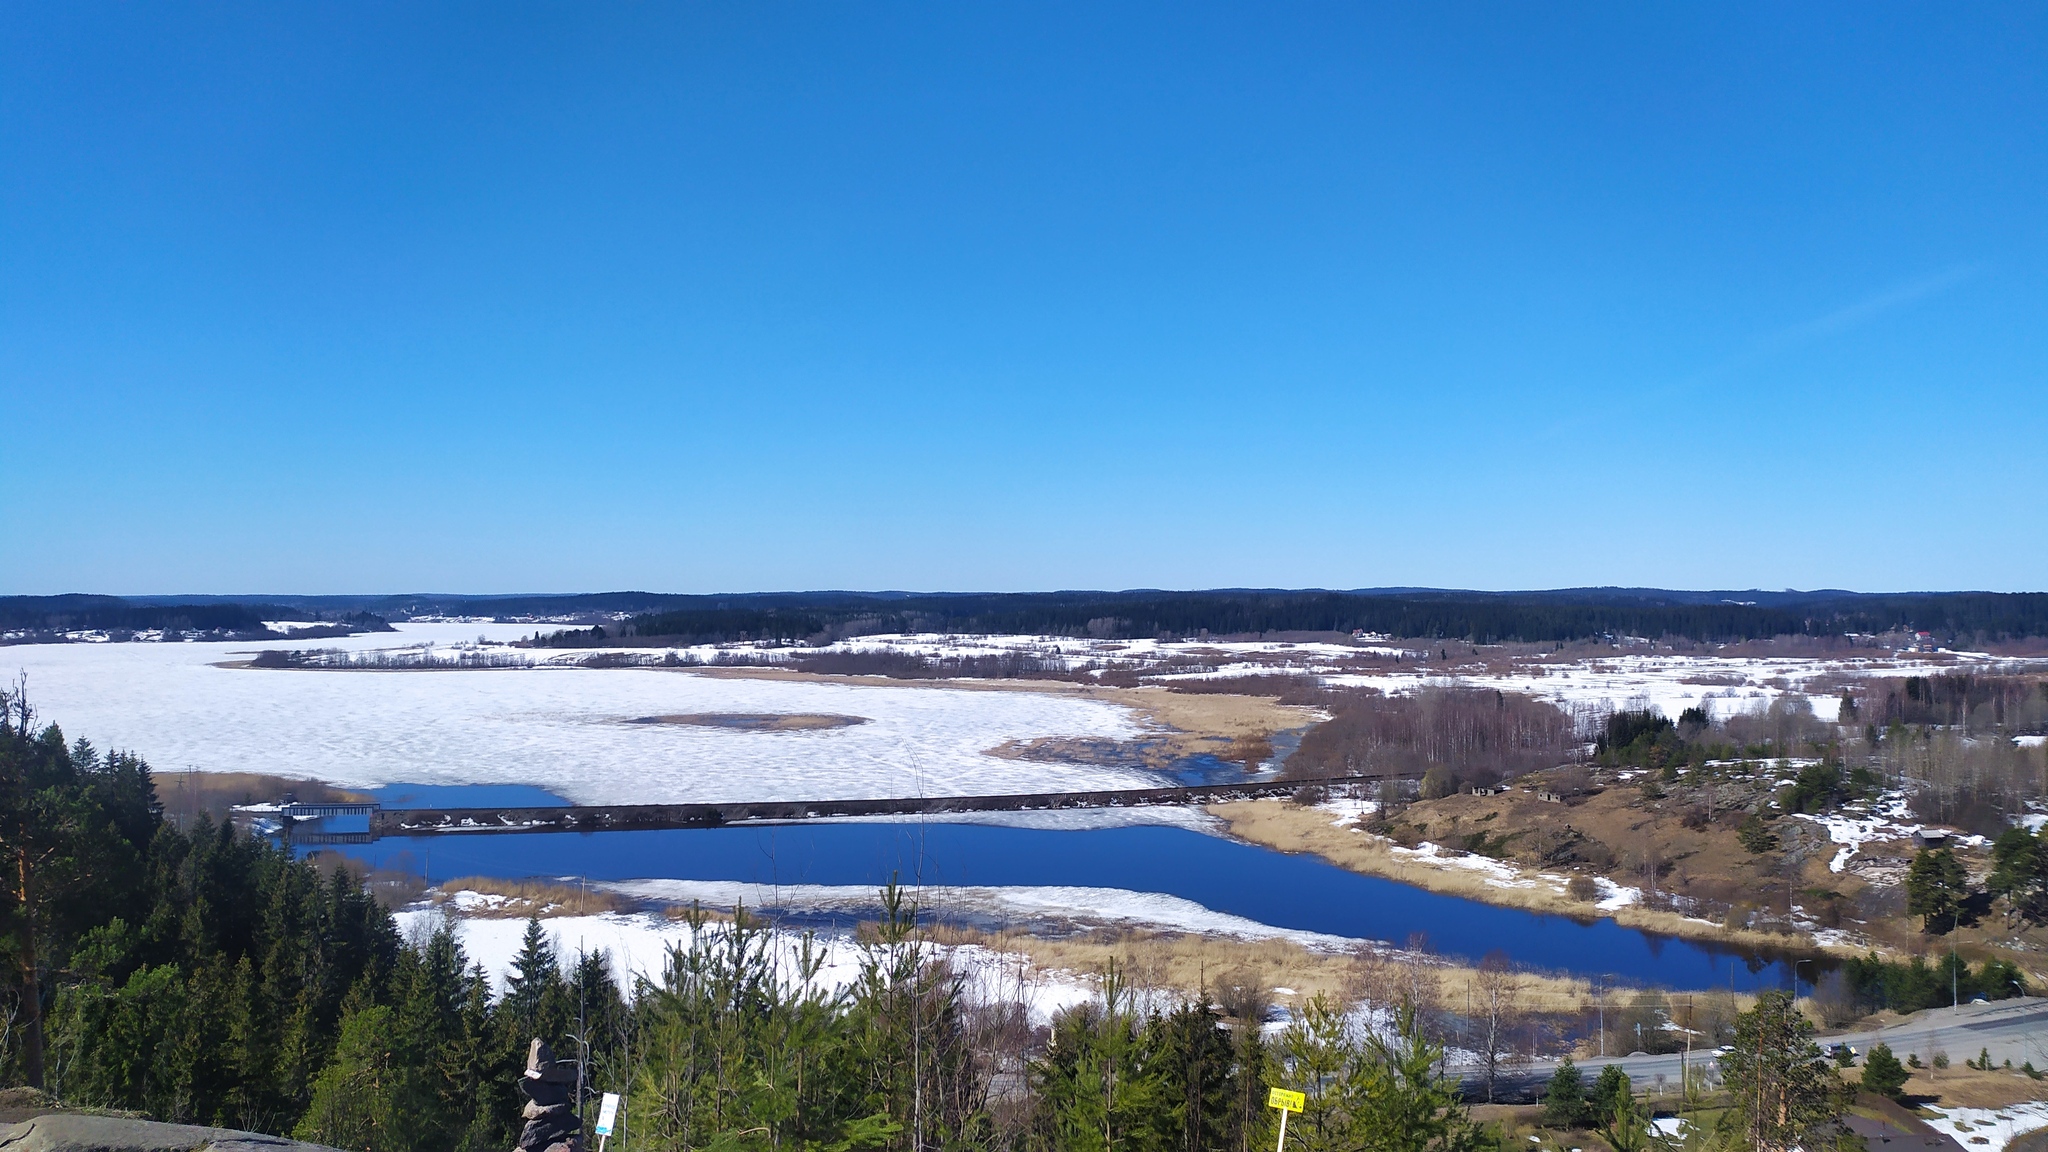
(551, 1123)
(66, 1132)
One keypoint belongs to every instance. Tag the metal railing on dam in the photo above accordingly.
(648, 817)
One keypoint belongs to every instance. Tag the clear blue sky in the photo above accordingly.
(510, 297)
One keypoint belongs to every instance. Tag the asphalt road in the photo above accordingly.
(2015, 1030)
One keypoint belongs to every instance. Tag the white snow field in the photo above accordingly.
(564, 729)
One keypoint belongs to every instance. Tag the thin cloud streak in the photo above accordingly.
(1828, 324)
(1843, 319)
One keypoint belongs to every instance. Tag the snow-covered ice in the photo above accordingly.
(564, 729)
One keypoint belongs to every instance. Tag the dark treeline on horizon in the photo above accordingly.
(231, 619)
(1557, 616)
(1484, 618)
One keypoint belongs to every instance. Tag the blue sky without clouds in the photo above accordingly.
(515, 297)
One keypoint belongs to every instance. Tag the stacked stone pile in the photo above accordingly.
(551, 1123)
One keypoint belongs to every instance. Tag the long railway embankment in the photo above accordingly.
(385, 822)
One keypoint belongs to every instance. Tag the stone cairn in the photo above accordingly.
(551, 1123)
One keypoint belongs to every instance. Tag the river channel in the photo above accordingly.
(1300, 892)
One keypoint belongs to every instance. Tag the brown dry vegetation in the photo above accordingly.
(1189, 963)
(1957, 1086)
(1291, 828)
(1679, 844)
(524, 898)
(1478, 735)
(187, 795)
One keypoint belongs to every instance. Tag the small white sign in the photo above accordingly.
(607, 1111)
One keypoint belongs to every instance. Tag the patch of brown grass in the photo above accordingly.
(523, 898)
(1227, 717)
(1189, 963)
(1958, 1086)
(1292, 828)
(186, 795)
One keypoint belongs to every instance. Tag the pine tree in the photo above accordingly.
(1316, 1053)
(1785, 1094)
(1401, 1101)
(1627, 1129)
(477, 1071)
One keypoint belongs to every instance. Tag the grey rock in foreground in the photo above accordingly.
(73, 1133)
(551, 1123)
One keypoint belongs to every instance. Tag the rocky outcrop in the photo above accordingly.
(67, 1132)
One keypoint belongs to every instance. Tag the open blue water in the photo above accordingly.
(1288, 891)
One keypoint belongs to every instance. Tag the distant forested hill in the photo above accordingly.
(1480, 617)
(38, 617)
(1549, 616)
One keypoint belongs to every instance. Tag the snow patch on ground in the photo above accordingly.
(638, 945)
(1889, 817)
(1348, 812)
(1990, 1128)
(1498, 873)
(1078, 908)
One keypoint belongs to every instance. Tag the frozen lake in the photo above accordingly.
(565, 729)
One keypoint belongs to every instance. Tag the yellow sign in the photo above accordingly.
(1285, 1101)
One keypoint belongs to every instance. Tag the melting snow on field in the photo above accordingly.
(1990, 1128)
(1073, 908)
(1856, 824)
(638, 944)
(1497, 873)
(1501, 874)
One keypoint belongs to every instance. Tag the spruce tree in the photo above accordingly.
(2019, 873)
(1936, 887)
(374, 1091)
(1564, 1102)
(1609, 1090)
(1883, 1075)
(1194, 1056)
